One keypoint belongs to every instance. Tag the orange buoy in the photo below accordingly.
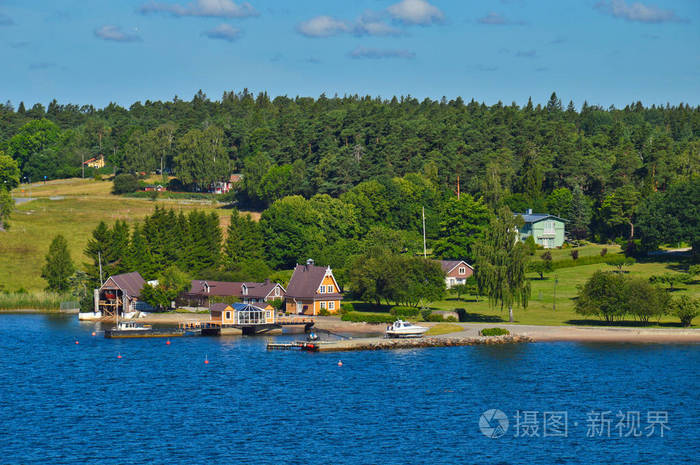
(93, 333)
(340, 364)
(167, 343)
(206, 360)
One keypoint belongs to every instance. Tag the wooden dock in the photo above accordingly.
(215, 328)
(296, 345)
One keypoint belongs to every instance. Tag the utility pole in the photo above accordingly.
(99, 259)
(457, 187)
(554, 302)
(425, 253)
(82, 157)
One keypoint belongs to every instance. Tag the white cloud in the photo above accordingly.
(207, 8)
(115, 34)
(223, 32)
(496, 19)
(637, 11)
(416, 12)
(323, 26)
(374, 28)
(377, 54)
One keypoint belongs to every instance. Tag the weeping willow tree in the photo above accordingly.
(501, 261)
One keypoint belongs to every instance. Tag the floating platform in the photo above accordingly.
(297, 345)
(115, 334)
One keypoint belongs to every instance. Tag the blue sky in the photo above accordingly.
(608, 52)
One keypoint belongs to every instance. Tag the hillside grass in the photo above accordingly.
(82, 204)
(540, 309)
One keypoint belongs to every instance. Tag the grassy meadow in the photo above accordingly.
(72, 207)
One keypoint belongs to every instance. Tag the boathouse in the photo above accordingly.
(201, 291)
(241, 314)
(312, 289)
(120, 295)
(456, 272)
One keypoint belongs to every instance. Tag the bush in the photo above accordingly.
(603, 251)
(574, 254)
(494, 332)
(153, 195)
(346, 307)
(425, 314)
(359, 317)
(404, 312)
(125, 184)
(685, 308)
(324, 312)
(435, 317)
(97, 177)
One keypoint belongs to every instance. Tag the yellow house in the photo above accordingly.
(96, 162)
(312, 289)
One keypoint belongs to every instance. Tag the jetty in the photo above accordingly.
(375, 343)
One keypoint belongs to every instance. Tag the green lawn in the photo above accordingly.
(78, 207)
(541, 306)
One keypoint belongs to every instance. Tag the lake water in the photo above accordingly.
(161, 404)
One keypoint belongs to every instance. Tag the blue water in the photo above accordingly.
(161, 404)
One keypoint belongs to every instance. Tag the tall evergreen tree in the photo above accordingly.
(244, 240)
(59, 266)
(580, 216)
(96, 250)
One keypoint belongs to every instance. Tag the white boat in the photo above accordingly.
(402, 328)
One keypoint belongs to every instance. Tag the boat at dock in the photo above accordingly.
(402, 328)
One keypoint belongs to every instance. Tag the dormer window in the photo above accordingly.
(244, 289)
(462, 270)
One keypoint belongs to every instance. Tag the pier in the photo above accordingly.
(374, 343)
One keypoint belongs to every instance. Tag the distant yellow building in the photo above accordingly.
(96, 162)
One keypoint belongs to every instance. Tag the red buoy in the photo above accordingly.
(340, 364)
(167, 343)
(77, 342)
(119, 356)
(206, 362)
(93, 333)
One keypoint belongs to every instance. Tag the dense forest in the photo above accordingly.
(593, 166)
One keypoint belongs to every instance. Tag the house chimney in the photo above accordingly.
(529, 211)
(310, 262)
(267, 280)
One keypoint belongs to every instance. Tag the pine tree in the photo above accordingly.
(140, 255)
(244, 241)
(59, 266)
(118, 250)
(580, 214)
(96, 251)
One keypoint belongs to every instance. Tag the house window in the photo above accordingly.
(462, 270)
(331, 305)
(549, 227)
(268, 315)
(322, 289)
(323, 305)
(228, 315)
(330, 288)
(245, 290)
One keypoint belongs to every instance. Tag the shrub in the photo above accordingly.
(404, 312)
(324, 312)
(346, 307)
(603, 251)
(451, 319)
(494, 332)
(125, 184)
(530, 245)
(436, 317)
(547, 256)
(153, 195)
(425, 313)
(574, 254)
(359, 317)
(685, 308)
(97, 177)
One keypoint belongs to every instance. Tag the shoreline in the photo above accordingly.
(536, 333)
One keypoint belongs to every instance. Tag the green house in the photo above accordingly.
(548, 230)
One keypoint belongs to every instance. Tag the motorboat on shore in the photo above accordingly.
(402, 328)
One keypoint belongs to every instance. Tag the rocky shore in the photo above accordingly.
(418, 343)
